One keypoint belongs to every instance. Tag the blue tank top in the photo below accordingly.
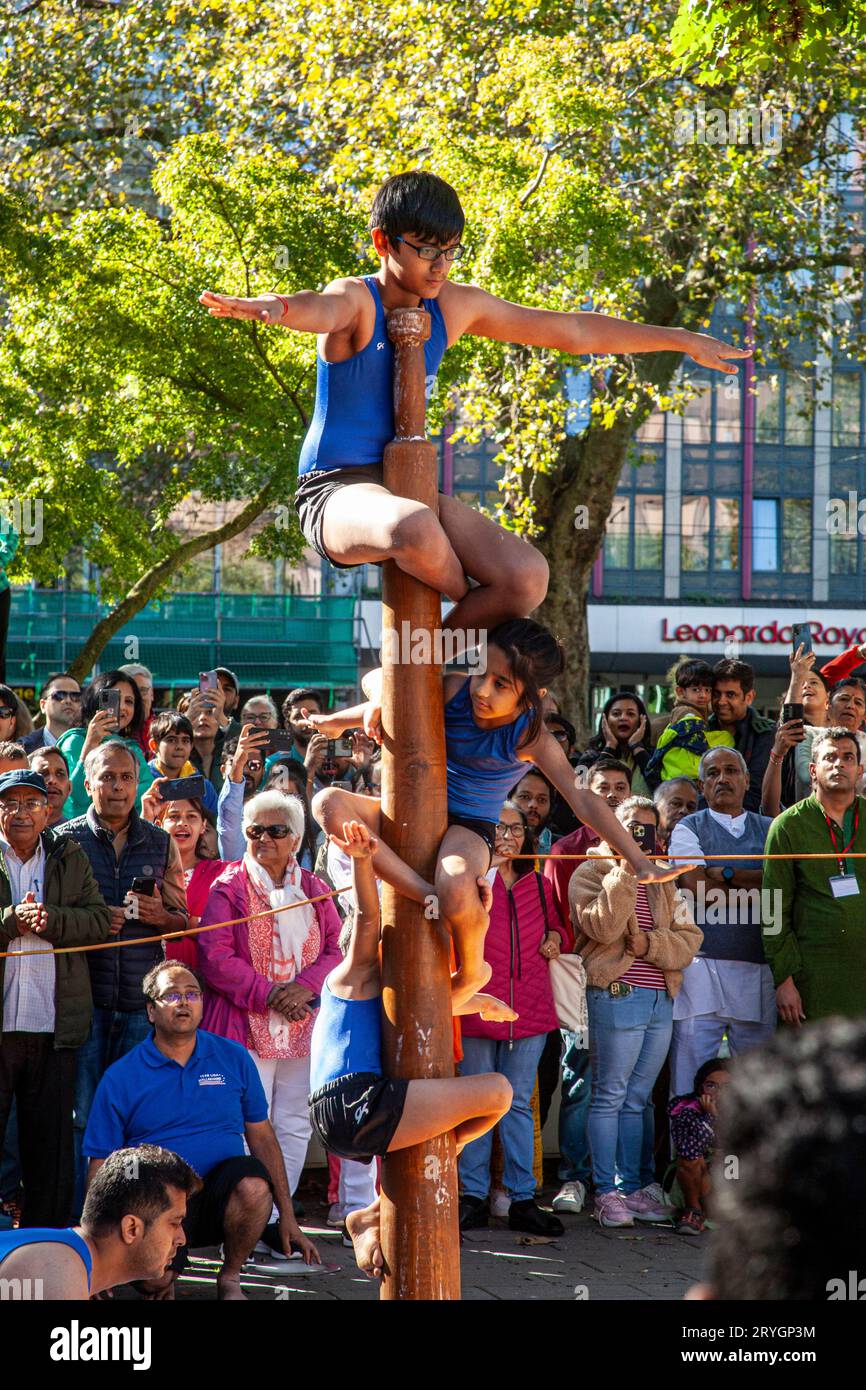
(347, 1037)
(47, 1235)
(353, 418)
(482, 764)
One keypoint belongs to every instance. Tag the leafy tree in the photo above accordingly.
(109, 358)
(725, 37)
(574, 142)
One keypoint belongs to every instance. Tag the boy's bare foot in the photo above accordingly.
(363, 1227)
(229, 1288)
(466, 983)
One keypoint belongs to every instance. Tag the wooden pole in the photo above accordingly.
(420, 1236)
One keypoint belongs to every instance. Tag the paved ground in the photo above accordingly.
(641, 1263)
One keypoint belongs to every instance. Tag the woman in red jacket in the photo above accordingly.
(524, 933)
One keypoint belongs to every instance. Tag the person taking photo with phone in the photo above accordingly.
(111, 708)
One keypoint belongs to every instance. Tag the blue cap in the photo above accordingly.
(22, 777)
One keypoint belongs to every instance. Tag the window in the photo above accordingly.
(648, 531)
(726, 534)
(710, 530)
(799, 409)
(697, 417)
(695, 535)
(765, 534)
(728, 417)
(846, 408)
(652, 431)
(617, 533)
(767, 410)
(797, 535)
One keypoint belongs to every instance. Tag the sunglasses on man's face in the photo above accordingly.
(276, 832)
(6, 711)
(58, 695)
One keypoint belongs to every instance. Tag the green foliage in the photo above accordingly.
(724, 38)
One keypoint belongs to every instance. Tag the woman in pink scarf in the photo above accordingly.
(264, 975)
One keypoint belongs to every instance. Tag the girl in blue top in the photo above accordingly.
(345, 511)
(493, 728)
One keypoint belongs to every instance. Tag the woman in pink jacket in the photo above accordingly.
(263, 976)
(524, 933)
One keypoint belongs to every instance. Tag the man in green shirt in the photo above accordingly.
(815, 943)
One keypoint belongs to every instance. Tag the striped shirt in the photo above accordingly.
(28, 985)
(641, 973)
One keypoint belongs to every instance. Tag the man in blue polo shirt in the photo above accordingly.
(200, 1096)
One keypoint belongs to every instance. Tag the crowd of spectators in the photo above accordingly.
(202, 1045)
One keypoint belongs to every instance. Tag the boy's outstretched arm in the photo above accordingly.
(334, 311)
(545, 753)
(357, 977)
(485, 315)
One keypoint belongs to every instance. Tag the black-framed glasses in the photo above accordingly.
(276, 832)
(432, 253)
(515, 831)
(6, 711)
(65, 695)
(180, 996)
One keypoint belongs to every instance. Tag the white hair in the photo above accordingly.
(744, 766)
(262, 699)
(133, 669)
(275, 800)
(97, 756)
(635, 803)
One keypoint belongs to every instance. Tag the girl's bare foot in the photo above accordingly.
(496, 1010)
(363, 1227)
(467, 982)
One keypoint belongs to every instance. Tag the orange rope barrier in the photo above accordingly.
(168, 936)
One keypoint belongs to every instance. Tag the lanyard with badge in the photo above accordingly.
(844, 885)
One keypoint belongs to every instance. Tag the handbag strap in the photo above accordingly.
(540, 885)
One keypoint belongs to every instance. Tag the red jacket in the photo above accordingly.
(520, 975)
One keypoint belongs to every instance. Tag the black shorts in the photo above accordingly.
(357, 1116)
(485, 828)
(205, 1212)
(314, 490)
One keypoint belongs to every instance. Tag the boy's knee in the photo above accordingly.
(418, 531)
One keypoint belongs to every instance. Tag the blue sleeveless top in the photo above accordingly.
(482, 764)
(48, 1235)
(347, 1037)
(353, 418)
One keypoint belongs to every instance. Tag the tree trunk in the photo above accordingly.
(154, 579)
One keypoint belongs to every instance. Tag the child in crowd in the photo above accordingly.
(357, 1112)
(686, 739)
(693, 1126)
(170, 741)
(494, 728)
(345, 511)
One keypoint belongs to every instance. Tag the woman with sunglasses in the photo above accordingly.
(188, 824)
(264, 973)
(524, 935)
(98, 724)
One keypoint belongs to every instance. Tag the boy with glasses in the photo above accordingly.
(345, 511)
(60, 705)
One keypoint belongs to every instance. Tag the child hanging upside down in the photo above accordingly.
(356, 1111)
(345, 511)
(493, 728)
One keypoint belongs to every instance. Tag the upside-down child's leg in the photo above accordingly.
(468, 1105)
(332, 807)
(464, 858)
